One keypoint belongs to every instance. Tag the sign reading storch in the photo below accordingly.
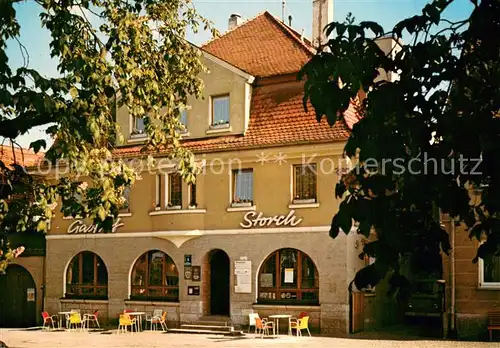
(79, 226)
(252, 219)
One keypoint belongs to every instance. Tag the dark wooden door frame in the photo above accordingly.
(17, 280)
(220, 283)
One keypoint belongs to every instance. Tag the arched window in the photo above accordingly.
(155, 277)
(288, 276)
(87, 277)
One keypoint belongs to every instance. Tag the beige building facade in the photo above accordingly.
(252, 235)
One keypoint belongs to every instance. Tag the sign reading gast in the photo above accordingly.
(79, 226)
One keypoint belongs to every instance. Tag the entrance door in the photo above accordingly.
(219, 283)
(18, 298)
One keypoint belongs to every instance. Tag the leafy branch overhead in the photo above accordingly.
(427, 139)
(110, 55)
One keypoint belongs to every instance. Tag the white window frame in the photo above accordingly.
(132, 128)
(482, 283)
(235, 207)
(302, 203)
(158, 178)
(212, 113)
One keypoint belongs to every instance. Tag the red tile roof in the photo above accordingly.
(10, 155)
(263, 46)
(277, 118)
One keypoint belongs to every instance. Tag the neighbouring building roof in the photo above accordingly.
(15, 154)
(262, 46)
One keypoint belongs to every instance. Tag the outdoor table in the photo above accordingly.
(63, 316)
(139, 316)
(278, 317)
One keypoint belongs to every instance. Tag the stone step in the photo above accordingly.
(207, 327)
(211, 323)
(215, 318)
(206, 332)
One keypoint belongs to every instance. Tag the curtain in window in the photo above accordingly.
(184, 117)
(221, 110)
(243, 188)
(126, 196)
(139, 124)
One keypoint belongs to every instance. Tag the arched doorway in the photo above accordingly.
(219, 283)
(18, 298)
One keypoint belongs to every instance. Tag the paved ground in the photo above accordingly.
(20, 339)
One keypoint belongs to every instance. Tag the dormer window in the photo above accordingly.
(220, 111)
(184, 119)
(138, 128)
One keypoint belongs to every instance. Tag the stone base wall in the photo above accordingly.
(472, 326)
(335, 319)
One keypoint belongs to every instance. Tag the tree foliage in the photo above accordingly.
(428, 139)
(110, 54)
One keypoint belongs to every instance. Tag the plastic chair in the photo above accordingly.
(48, 320)
(124, 322)
(74, 320)
(263, 326)
(300, 324)
(160, 320)
(91, 318)
(157, 313)
(251, 320)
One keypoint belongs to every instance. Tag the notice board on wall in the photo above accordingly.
(243, 272)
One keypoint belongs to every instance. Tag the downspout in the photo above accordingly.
(452, 330)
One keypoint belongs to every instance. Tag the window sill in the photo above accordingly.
(489, 286)
(218, 130)
(153, 302)
(79, 218)
(137, 138)
(284, 305)
(177, 211)
(304, 201)
(303, 205)
(250, 208)
(81, 300)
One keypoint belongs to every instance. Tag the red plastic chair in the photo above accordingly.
(48, 320)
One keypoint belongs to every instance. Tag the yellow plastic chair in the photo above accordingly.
(124, 322)
(300, 324)
(74, 320)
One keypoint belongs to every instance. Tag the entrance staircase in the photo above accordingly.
(210, 325)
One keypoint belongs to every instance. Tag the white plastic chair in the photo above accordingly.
(157, 313)
(251, 321)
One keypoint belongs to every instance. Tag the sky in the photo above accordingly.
(385, 12)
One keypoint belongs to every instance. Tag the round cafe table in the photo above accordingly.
(278, 317)
(63, 316)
